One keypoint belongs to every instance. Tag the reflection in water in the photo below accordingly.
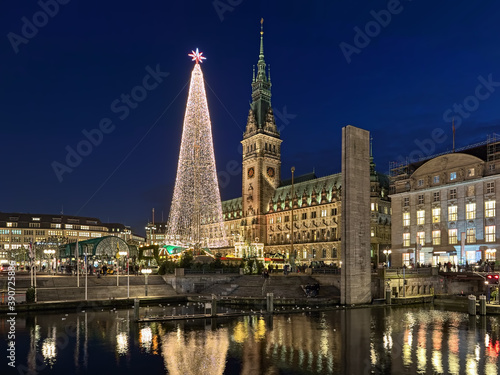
(195, 352)
(49, 350)
(146, 338)
(379, 341)
(122, 343)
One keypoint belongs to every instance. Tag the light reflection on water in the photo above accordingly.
(411, 340)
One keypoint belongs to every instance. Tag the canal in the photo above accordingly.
(401, 340)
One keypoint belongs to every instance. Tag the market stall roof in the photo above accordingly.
(108, 246)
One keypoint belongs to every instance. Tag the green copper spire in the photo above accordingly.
(261, 117)
(261, 64)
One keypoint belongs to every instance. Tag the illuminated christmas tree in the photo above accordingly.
(195, 217)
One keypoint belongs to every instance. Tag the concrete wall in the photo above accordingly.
(195, 283)
(356, 276)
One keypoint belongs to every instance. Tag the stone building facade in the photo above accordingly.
(267, 208)
(445, 209)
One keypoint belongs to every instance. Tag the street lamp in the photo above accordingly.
(50, 253)
(124, 253)
(291, 239)
(387, 254)
(146, 272)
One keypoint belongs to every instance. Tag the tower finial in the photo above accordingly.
(253, 74)
(261, 55)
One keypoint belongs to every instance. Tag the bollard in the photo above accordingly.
(472, 305)
(388, 296)
(136, 309)
(482, 305)
(270, 302)
(214, 305)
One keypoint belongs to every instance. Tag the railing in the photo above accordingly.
(326, 271)
(409, 271)
(188, 271)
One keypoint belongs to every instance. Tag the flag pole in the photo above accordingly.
(453, 127)
(31, 264)
(77, 253)
(34, 257)
(86, 272)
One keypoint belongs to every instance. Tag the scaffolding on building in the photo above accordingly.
(493, 148)
(399, 170)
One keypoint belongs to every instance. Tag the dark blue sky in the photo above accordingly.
(422, 63)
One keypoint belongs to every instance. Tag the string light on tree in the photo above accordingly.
(196, 211)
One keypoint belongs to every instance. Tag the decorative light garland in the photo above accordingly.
(195, 216)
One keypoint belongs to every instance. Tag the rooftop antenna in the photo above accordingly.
(453, 127)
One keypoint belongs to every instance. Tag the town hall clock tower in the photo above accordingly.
(261, 142)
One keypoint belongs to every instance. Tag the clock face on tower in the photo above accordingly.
(270, 172)
(251, 172)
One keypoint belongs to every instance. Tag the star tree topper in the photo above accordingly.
(197, 56)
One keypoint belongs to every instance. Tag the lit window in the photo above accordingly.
(436, 237)
(373, 232)
(323, 213)
(435, 179)
(470, 211)
(421, 238)
(452, 236)
(471, 172)
(436, 215)
(406, 219)
(421, 217)
(453, 176)
(9, 224)
(489, 208)
(373, 206)
(406, 239)
(452, 213)
(489, 232)
(278, 219)
(471, 235)
(436, 196)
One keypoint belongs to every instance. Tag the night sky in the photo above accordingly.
(402, 70)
